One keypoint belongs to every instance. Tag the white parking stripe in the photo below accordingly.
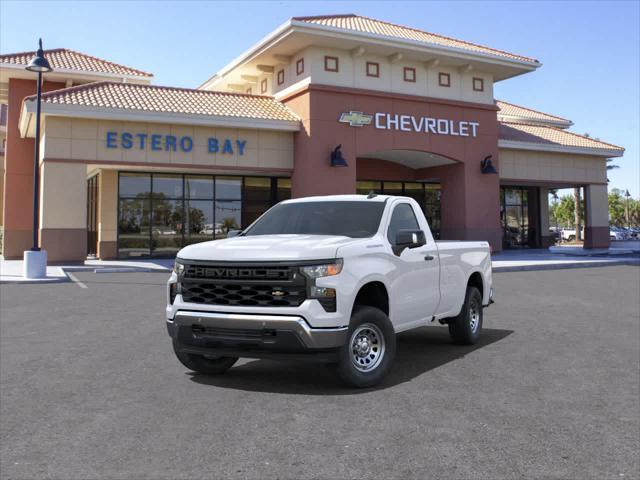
(75, 280)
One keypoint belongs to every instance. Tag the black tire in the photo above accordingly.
(571, 238)
(467, 326)
(366, 325)
(204, 365)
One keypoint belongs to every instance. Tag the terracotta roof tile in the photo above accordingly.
(517, 132)
(152, 98)
(65, 59)
(513, 110)
(370, 25)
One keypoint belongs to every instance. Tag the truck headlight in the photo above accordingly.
(324, 270)
(178, 268)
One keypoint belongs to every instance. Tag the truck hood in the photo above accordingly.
(267, 248)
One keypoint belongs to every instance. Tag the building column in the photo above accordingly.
(63, 211)
(596, 216)
(546, 240)
(470, 203)
(312, 170)
(18, 173)
(107, 214)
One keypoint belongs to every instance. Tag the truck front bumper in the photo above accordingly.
(250, 335)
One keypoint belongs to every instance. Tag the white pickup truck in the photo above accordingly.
(332, 278)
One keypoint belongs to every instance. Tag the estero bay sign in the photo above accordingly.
(171, 143)
(411, 123)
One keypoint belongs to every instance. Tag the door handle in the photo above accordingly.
(428, 257)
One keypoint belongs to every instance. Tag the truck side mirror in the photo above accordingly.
(233, 233)
(408, 239)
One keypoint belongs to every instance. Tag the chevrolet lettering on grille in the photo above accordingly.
(238, 273)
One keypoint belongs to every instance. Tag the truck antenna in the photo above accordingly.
(372, 194)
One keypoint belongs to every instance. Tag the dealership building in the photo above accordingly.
(322, 105)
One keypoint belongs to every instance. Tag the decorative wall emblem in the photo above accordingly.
(356, 119)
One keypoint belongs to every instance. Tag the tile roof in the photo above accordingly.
(152, 98)
(512, 110)
(65, 59)
(544, 135)
(370, 25)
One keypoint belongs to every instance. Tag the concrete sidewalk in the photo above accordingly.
(507, 261)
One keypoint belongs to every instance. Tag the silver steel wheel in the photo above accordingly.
(474, 316)
(367, 347)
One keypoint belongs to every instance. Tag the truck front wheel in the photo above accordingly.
(370, 348)
(466, 327)
(202, 364)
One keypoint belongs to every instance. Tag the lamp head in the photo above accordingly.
(337, 160)
(39, 62)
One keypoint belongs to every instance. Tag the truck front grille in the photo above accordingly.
(243, 294)
(244, 285)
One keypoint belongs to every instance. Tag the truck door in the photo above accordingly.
(415, 287)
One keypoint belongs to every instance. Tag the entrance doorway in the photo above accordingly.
(92, 216)
(519, 216)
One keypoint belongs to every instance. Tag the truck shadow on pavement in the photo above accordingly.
(419, 351)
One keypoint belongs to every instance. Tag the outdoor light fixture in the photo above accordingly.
(486, 166)
(35, 260)
(337, 160)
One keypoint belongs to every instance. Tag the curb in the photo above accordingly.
(565, 266)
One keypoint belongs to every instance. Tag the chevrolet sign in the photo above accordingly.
(355, 119)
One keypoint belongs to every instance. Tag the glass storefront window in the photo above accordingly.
(167, 186)
(198, 188)
(364, 188)
(133, 227)
(392, 188)
(228, 217)
(160, 213)
(256, 198)
(200, 222)
(283, 189)
(228, 188)
(135, 185)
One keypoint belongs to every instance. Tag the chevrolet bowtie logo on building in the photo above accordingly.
(356, 119)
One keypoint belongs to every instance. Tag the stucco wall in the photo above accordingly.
(85, 140)
(551, 167)
(352, 73)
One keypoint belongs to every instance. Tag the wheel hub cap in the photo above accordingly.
(367, 347)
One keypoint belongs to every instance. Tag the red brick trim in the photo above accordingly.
(478, 84)
(409, 74)
(280, 77)
(300, 66)
(444, 79)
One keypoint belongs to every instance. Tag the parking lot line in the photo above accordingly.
(75, 280)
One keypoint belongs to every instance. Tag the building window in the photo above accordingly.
(159, 213)
(263, 86)
(300, 66)
(248, 91)
(478, 84)
(280, 77)
(444, 79)
(331, 64)
(373, 69)
(409, 74)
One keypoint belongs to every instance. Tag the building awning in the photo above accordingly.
(149, 103)
(545, 138)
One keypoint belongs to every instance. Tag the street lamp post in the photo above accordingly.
(626, 208)
(35, 260)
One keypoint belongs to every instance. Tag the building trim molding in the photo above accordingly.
(544, 147)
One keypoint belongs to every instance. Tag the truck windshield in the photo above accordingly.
(349, 219)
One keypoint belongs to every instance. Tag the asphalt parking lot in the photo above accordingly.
(90, 389)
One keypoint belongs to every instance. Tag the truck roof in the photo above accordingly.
(341, 198)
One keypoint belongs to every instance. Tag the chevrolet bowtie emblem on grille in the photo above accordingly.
(355, 119)
(277, 293)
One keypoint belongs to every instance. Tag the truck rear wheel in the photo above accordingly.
(202, 364)
(370, 348)
(466, 327)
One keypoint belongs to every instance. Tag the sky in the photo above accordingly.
(590, 51)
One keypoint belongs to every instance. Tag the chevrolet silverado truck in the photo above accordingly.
(333, 278)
